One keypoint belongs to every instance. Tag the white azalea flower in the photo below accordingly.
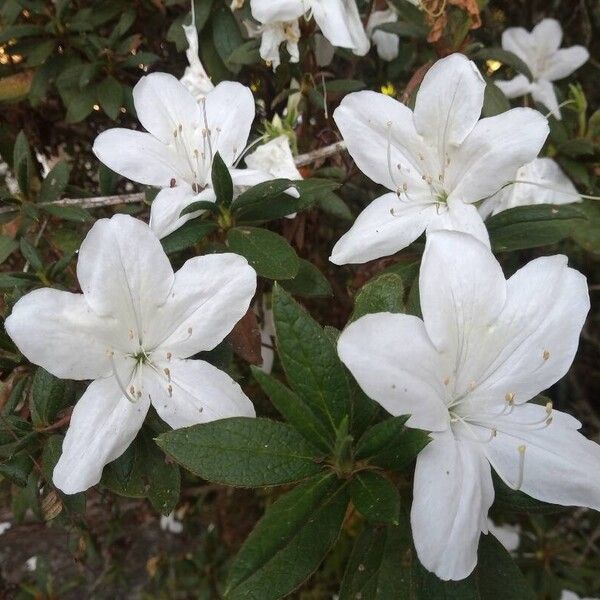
(131, 332)
(171, 524)
(465, 372)
(568, 595)
(437, 161)
(183, 136)
(195, 78)
(5, 526)
(272, 36)
(388, 44)
(541, 181)
(540, 51)
(508, 535)
(339, 20)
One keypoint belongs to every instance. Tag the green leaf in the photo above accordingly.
(375, 497)
(7, 247)
(587, 233)
(515, 501)
(532, 226)
(309, 282)
(267, 252)
(226, 36)
(390, 444)
(505, 57)
(380, 566)
(68, 213)
(110, 96)
(294, 410)
(310, 360)
(382, 294)
(262, 193)
(246, 54)
(22, 163)
(289, 542)
(49, 395)
(80, 105)
(17, 468)
(494, 100)
(31, 255)
(242, 451)
(187, 235)
(54, 183)
(200, 205)
(221, 181)
(405, 29)
(342, 86)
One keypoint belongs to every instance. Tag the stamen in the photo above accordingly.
(519, 483)
(122, 387)
(546, 355)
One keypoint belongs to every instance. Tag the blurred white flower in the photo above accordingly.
(387, 44)
(466, 373)
(508, 535)
(31, 563)
(540, 51)
(171, 524)
(183, 137)
(131, 332)
(195, 78)
(5, 527)
(272, 36)
(568, 595)
(437, 161)
(541, 181)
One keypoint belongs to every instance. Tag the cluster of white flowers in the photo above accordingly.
(467, 371)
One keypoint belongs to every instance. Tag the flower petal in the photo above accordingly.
(188, 392)
(462, 291)
(230, 112)
(124, 273)
(533, 341)
(209, 296)
(395, 364)
(388, 44)
(381, 138)
(267, 11)
(520, 42)
(275, 158)
(103, 424)
(461, 217)
(449, 102)
(59, 331)
(547, 36)
(453, 492)
(386, 226)
(565, 61)
(340, 23)
(492, 153)
(162, 103)
(543, 91)
(168, 204)
(139, 157)
(515, 87)
(559, 465)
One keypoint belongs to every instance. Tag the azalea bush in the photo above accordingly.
(299, 299)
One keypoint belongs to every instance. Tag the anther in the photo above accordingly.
(447, 381)
(521, 450)
(510, 398)
(130, 334)
(170, 390)
(167, 373)
(132, 391)
(173, 182)
(169, 356)
(546, 355)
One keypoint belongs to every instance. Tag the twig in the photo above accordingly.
(101, 201)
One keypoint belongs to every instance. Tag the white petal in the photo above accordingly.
(386, 226)
(139, 157)
(542, 91)
(564, 62)
(248, 177)
(495, 149)
(267, 11)
(59, 331)
(194, 392)
(547, 36)
(230, 112)
(532, 343)
(124, 273)
(340, 23)
(449, 102)
(103, 424)
(462, 291)
(453, 492)
(272, 37)
(168, 204)
(195, 78)
(520, 42)
(461, 217)
(515, 87)
(559, 464)
(381, 138)
(162, 103)
(388, 44)
(394, 362)
(210, 295)
(275, 158)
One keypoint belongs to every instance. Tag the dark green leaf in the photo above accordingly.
(17, 468)
(382, 294)
(7, 247)
(200, 205)
(309, 282)
(342, 86)
(221, 181)
(516, 501)
(246, 54)
(187, 235)
(289, 542)
(375, 497)
(256, 196)
(49, 395)
(294, 410)
(494, 101)
(31, 255)
(267, 252)
(390, 444)
(242, 451)
(405, 29)
(22, 163)
(532, 226)
(310, 360)
(505, 57)
(54, 183)
(110, 96)
(226, 36)
(587, 233)
(68, 213)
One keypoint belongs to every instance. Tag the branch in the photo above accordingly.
(101, 201)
